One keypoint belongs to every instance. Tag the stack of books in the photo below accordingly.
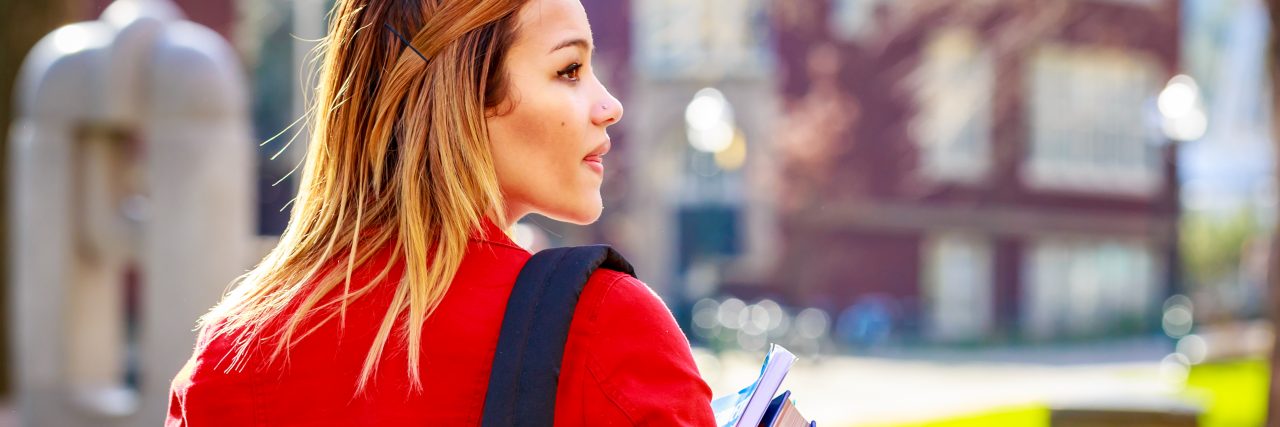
(756, 405)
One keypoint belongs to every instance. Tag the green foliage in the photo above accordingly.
(1212, 245)
(1234, 393)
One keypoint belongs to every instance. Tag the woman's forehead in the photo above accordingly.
(547, 24)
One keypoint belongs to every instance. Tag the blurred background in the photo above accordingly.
(956, 213)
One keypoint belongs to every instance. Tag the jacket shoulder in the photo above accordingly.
(614, 296)
(637, 356)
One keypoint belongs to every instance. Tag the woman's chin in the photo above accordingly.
(585, 217)
(584, 214)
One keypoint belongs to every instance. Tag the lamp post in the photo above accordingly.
(1181, 118)
(707, 215)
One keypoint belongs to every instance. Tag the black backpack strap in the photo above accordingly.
(526, 366)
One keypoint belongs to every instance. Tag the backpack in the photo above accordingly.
(526, 366)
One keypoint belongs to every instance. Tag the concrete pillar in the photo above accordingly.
(131, 169)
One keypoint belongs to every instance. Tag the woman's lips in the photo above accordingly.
(596, 163)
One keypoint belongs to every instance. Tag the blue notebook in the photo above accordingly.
(771, 414)
(782, 412)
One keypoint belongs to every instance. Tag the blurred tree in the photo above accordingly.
(1273, 67)
(1212, 245)
(24, 23)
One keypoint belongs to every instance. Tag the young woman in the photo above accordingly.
(437, 125)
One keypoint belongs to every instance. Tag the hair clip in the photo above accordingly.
(405, 41)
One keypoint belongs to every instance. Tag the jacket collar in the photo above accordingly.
(489, 232)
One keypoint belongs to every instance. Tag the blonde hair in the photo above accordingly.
(399, 157)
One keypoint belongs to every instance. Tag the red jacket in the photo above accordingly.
(626, 362)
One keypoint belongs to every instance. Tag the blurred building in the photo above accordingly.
(963, 170)
(977, 169)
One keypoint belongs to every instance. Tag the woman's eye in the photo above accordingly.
(571, 72)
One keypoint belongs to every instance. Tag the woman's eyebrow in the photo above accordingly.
(580, 43)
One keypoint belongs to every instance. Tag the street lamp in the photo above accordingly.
(709, 121)
(1182, 109)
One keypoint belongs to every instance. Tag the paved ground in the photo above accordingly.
(906, 386)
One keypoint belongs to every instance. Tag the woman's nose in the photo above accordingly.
(607, 111)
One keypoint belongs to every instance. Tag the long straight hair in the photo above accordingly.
(399, 157)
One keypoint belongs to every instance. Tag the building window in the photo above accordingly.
(1088, 129)
(852, 20)
(958, 289)
(702, 39)
(954, 87)
(1077, 287)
